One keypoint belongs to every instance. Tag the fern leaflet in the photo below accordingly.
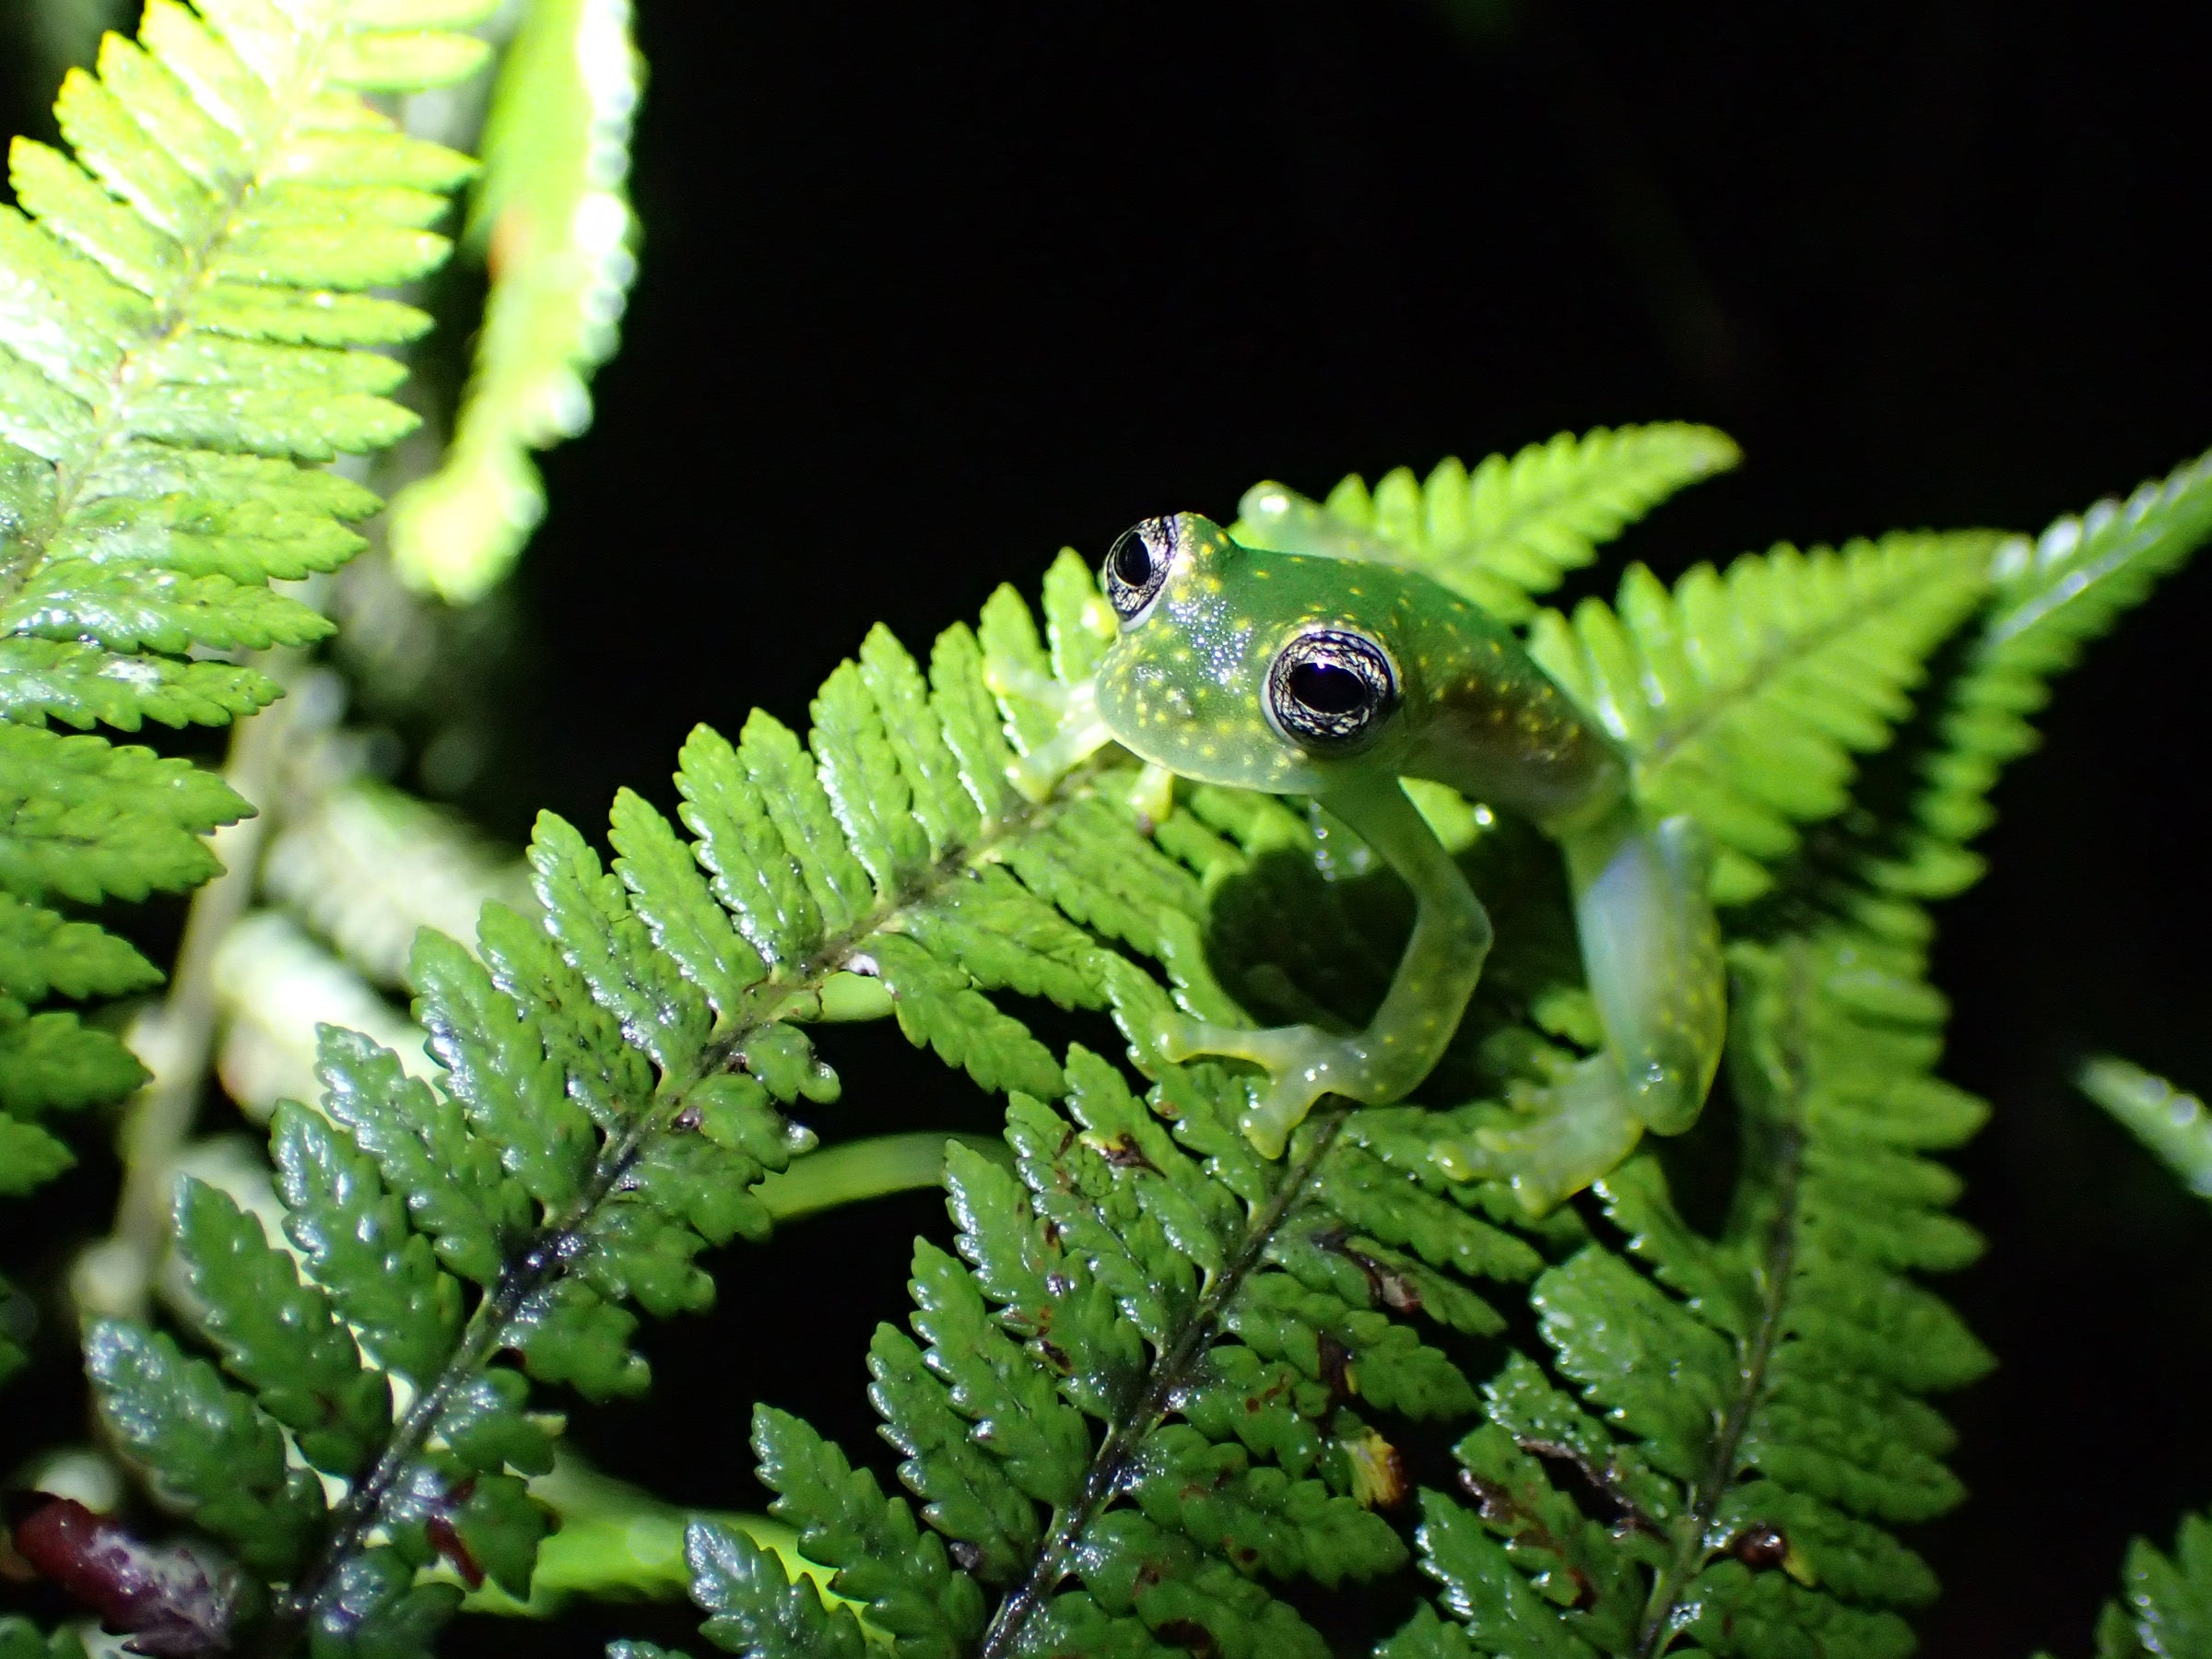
(2166, 1604)
(1753, 1482)
(2173, 1124)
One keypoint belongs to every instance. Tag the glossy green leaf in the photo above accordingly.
(43, 954)
(381, 1275)
(449, 1178)
(279, 1336)
(204, 1442)
(514, 1094)
(30, 1157)
(755, 1610)
(882, 1558)
(52, 1062)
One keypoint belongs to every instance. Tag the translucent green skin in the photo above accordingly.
(1185, 688)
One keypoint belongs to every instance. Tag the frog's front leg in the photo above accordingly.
(1077, 731)
(1428, 994)
(1652, 954)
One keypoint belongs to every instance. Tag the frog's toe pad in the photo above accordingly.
(1302, 1063)
(1566, 1135)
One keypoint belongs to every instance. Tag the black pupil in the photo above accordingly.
(1132, 561)
(1329, 687)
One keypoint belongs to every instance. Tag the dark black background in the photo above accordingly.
(930, 290)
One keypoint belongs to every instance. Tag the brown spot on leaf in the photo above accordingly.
(1335, 1368)
(1187, 1633)
(1760, 1546)
(448, 1541)
(1124, 1153)
(1506, 1514)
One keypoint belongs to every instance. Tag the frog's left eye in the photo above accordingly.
(1330, 689)
(1137, 565)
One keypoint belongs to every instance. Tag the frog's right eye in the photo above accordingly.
(1137, 565)
(1330, 690)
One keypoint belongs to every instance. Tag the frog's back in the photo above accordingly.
(1481, 715)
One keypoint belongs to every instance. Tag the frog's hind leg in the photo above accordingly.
(1652, 954)
(1428, 994)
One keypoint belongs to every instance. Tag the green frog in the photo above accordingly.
(1313, 673)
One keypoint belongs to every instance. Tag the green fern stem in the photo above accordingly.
(1175, 1367)
(551, 1250)
(172, 317)
(1786, 1144)
(161, 1116)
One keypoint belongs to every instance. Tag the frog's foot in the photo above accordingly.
(1302, 1063)
(1077, 730)
(1566, 1135)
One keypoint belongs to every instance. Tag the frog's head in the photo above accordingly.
(1252, 669)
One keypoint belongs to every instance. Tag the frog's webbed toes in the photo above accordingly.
(1077, 731)
(1281, 1108)
(1564, 1136)
(1302, 1063)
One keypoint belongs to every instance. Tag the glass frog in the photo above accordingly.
(1306, 673)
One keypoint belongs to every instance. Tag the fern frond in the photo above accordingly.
(1755, 1475)
(182, 321)
(754, 1609)
(2173, 1124)
(1149, 1392)
(1142, 1378)
(553, 223)
(183, 326)
(2166, 1606)
(1743, 697)
(2052, 597)
(612, 1076)
(1508, 531)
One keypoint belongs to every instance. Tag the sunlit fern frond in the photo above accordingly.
(185, 333)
